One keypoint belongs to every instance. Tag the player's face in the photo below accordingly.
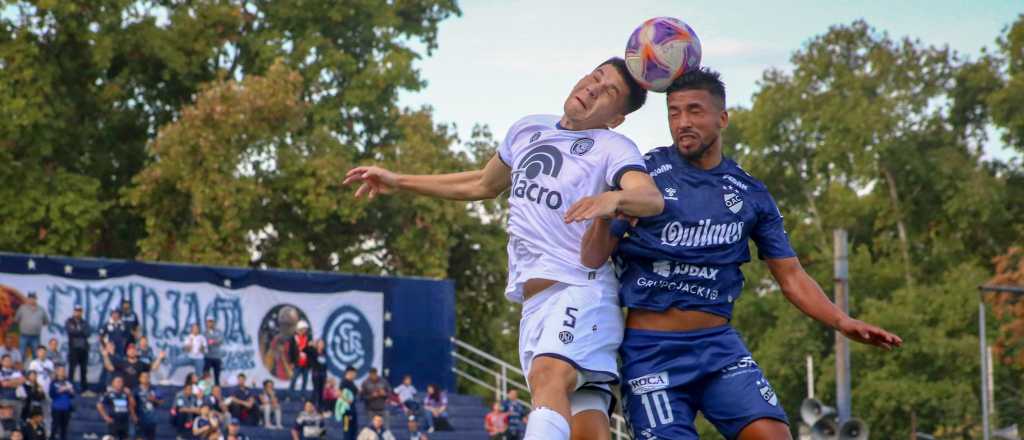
(696, 120)
(598, 99)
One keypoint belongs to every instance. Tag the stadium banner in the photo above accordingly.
(257, 311)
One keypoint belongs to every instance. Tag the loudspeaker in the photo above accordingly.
(853, 429)
(811, 410)
(825, 428)
(1007, 433)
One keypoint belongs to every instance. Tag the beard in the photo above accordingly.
(700, 151)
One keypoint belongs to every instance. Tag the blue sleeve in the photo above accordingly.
(770, 233)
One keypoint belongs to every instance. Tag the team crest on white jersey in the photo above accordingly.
(581, 146)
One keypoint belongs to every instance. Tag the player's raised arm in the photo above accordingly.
(805, 293)
(486, 183)
(639, 197)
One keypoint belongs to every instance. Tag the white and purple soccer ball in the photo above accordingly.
(661, 50)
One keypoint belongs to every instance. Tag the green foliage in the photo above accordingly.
(882, 138)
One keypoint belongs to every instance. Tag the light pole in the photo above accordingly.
(982, 290)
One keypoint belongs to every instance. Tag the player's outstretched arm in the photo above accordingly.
(639, 197)
(805, 293)
(487, 183)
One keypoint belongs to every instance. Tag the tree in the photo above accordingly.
(883, 138)
(86, 85)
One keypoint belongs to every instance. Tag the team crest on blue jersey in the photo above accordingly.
(733, 200)
(767, 392)
(581, 146)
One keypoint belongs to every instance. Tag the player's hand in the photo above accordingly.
(865, 333)
(375, 180)
(589, 208)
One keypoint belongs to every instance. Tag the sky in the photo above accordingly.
(505, 59)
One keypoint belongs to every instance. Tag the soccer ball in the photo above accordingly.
(661, 50)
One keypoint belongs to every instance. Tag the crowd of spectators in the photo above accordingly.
(39, 387)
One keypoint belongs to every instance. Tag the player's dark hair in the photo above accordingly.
(701, 79)
(350, 369)
(637, 94)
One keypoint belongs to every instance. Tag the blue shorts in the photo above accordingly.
(669, 376)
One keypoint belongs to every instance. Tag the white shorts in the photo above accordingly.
(581, 325)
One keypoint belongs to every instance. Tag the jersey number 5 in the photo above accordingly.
(571, 322)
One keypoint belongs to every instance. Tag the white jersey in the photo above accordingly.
(552, 168)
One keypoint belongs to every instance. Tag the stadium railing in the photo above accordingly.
(493, 374)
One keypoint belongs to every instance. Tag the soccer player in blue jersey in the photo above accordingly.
(680, 276)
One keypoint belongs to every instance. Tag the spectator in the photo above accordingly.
(310, 424)
(131, 320)
(116, 410)
(43, 367)
(110, 349)
(329, 397)
(345, 409)
(190, 382)
(214, 340)
(516, 411)
(407, 395)
(270, 406)
(436, 406)
(217, 402)
(53, 352)
(8, 422)
(131, 366)
(195, 345)
(206, 383)
(376, 431)
(414, 430)
(62, 392)
(186, 408)
(10, 348)
(10, 381)
(30, 318)
(115, 331)
(146, 402)
(78, 346)
(317, 358)
(234, 429)
(33, 395)
(243, 402)
(34, 429)
(374, 393)
(17, 435)
(207, 422)
(148, 355)
(297, 355)
(496, 422)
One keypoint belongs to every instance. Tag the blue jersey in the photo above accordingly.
(689, 256)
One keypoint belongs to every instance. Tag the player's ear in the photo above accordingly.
(616, 121)
(723, 120)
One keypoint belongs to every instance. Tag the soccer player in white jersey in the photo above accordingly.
(563, 171)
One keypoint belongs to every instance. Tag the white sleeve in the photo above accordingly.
(505, 149)
(623, 156)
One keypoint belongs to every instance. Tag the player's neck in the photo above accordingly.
(711, 158)
(567, 123)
